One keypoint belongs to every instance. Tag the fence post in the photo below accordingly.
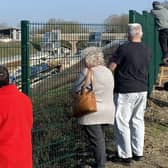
(132, 16)
(25, 54)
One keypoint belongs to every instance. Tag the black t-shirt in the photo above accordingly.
(131, 74)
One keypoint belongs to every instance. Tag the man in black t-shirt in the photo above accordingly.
(130, 64)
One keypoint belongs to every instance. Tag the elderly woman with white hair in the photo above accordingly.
(93, 123)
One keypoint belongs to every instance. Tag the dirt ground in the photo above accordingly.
(156, 134)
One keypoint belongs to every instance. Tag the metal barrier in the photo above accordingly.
(150, 38)
(51, 61)
(10, 56)
(44, 65)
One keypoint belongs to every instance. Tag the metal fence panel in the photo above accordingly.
(10, 56)
(55, 62)
(49, 64)
(25, 49)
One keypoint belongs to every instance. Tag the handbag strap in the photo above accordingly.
(89, 74)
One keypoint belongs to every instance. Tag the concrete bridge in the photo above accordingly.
(74, 38)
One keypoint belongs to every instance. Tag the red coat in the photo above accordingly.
(16, 121)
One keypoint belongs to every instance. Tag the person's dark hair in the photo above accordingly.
(4, 76)
(156, 3)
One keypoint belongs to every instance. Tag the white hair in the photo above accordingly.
(135, 30)
(93, 56)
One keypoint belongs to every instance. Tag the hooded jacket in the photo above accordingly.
(161, 16)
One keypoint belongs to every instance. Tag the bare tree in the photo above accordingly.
(117, 19)
(64, 26)
(116, 23)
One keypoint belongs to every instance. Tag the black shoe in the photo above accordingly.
(137, 158)
(125, 161)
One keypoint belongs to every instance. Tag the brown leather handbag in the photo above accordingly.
(85, 101)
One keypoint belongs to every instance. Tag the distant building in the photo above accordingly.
(52, 41)
(10, 34)
(95, 39)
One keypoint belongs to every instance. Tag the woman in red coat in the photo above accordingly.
(16, 121)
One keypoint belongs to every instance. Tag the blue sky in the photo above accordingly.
(83, 11)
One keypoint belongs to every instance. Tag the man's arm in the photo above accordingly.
(115, 60)
(76, 87)
(112, 66)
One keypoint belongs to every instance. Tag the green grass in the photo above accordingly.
(14, 48)
(156, 128)
(54, 136)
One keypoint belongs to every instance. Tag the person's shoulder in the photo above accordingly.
(103, 72)
(146, 49)
(145, 46)
(123, 45)
(164, 11)
(24, 97)
(157, 12)
(153, 11)
(101, 69)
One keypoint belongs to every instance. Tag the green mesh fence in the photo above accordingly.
(57, 139)
(49, 64)
(10, 56)
(150, 38)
